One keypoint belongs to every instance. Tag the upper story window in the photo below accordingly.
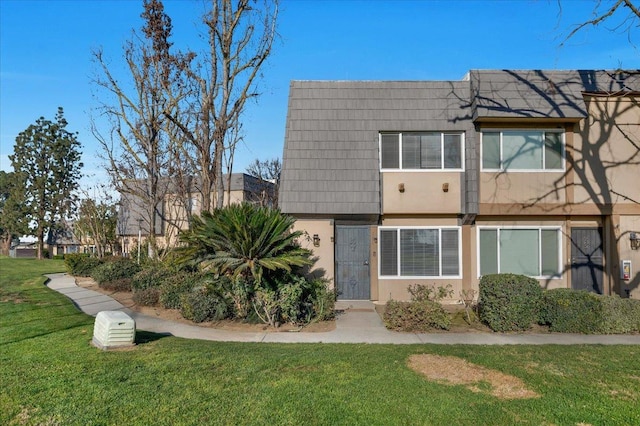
(421, 151)
(522, 150)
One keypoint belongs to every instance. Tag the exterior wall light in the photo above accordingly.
(634, 238)
(401, 187)
(445, 187)
(316, 240)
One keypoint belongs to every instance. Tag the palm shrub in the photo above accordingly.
(244, 240)
(250, 244)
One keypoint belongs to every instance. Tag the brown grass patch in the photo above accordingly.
(456, 371)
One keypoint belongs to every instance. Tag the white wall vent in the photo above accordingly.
(113, 329)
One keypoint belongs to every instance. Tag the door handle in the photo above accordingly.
(366, 262)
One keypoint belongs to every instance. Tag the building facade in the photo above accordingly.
(173, 214)
(440, 182)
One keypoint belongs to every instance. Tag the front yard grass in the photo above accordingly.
(50, 374)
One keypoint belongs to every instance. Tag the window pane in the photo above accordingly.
(488, 251)
(389, 147)
(549, 251)
(450, 261)
(491, 150)
(519, 251)
(522, 150)
(419, 252)
(553, 151)
(431, 151)
(389, 252)
(452, 151)
(410, 151)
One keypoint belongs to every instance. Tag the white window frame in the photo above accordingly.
(559, 231)
(439, 170)
(562, 133)
(419, 277)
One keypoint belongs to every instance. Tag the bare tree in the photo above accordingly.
(222, 80)
(96, 220)
(267, 171)
(142, 151)
(601, 15)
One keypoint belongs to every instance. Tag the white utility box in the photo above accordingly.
(113, 329)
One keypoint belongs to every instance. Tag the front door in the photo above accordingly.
(587, 259)
(352, 262)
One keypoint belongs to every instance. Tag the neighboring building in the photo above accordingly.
(441, 182)
(24, 247)
(172, 213)
(62, 240)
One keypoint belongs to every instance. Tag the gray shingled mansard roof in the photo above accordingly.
(330, 161)
(542, 94)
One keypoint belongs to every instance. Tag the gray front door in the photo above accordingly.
(586, 259)
(352, 262)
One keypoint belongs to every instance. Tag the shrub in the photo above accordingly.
(201, 305)
(150, 276)
(300, 300)
(147, 296)
(578, 311)
(175, 285)
(81, 264)
(114, 270)
(423, 315)
(570, 311)
(323, 300)
(619, 315)
(509, 302)
(421, 292)
(121, 284)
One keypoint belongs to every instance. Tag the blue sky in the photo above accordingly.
(45, 52)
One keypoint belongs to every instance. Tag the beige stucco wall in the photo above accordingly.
(629, 224)
(325, 251)
(522, 187)
(607, 146)
(423, 192)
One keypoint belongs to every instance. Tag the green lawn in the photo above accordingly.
(49, 374)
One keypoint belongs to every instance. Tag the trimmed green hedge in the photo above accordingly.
(509, 302)
(577, 311)
(423, 315)
(81, 264)
(114, 270)
(201, 305)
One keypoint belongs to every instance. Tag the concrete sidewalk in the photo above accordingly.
(356, 322)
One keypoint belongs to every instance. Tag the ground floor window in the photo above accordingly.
(535, 252)
(419, 252)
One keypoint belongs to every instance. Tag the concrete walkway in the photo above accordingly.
(356, 322)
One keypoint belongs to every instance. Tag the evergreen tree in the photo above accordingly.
(46, 160)
(12, 223)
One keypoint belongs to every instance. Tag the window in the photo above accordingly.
(528, 251)
(523, 150)
(421, 151)
(419, 252)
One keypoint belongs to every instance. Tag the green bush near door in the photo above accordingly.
(509, 302)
